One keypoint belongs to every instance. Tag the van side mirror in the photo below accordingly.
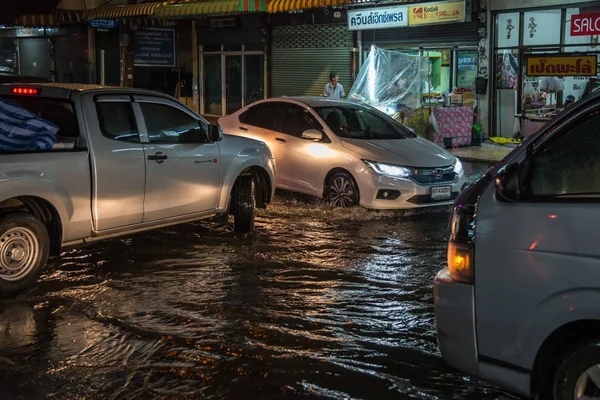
(508, 183)
(312, 134)
(215, 134)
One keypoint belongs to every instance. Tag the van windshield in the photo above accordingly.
(355, 122)
(36, 123)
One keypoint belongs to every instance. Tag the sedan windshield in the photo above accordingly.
(355, 122)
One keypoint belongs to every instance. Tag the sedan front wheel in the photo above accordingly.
(342, 191)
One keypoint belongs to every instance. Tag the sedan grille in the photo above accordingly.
(433, 175)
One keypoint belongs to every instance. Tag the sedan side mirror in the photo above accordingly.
(215, 134)
(508, 183)
(312, 134)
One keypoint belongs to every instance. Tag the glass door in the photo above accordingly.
(213, 91)
(233, 83)
(253, 78)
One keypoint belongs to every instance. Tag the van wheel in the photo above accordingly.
(342, 191)
(244, 204)
(578, 373)
(24, 250)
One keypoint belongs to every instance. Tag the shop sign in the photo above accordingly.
(556, 65)
(436, 13)
(30, 32)
(154, 48)
(378, 18)
(104, 23)
(585, 24)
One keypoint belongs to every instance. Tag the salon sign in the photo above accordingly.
(378, 18)
(557, 65)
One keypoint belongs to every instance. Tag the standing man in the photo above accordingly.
(333, 89)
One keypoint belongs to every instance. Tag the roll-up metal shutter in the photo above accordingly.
(440, 36)
(302, 57)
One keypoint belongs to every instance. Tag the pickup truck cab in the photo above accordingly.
(124, 161)
(519, 301)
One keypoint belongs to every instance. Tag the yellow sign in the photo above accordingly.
(436, 13)
(556, 65)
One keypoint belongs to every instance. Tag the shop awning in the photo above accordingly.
(131, 10)
(190, 9)
(59, 17)
(290, 5)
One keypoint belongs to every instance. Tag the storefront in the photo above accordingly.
(52, 46)
(544, 58)
(307, 45)
(442, 33)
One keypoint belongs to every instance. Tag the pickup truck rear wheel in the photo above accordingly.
(244, 204)
(24, 250)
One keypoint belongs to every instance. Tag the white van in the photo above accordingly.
(519, 302)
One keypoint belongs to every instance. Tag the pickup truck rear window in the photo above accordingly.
(60, 112)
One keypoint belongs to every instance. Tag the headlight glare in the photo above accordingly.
(458, 167)
(389, 169)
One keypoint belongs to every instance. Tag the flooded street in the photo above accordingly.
(316, 303)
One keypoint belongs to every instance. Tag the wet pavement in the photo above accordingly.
(316, 303)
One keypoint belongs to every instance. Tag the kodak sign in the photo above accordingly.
(436, 13)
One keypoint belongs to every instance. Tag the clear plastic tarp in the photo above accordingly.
(391, 80)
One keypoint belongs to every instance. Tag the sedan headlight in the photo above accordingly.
(458, 167)
(389, 169)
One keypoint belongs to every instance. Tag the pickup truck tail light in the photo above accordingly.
(25, 91)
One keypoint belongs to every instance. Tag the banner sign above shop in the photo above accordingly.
(378, 18)
(585, 24)
(559, 65)
(436, 13)
(155, 48)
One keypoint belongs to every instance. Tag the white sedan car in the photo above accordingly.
(349, 153)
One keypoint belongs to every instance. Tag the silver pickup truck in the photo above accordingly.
(124, 161)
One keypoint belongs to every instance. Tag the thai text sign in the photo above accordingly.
(557, 65)
(436, 13)
(378, 18)
(585, 24)
(155, 48)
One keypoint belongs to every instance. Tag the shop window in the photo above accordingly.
(507, 69)
(254, 78)
(569, 40)
(508, 30)
(466, 69)
(540, 27)
(297, 120)
(232, 47)
(568, 164)
(165, 123)
(117, 121)
(254, 47)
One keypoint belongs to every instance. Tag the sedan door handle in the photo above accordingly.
(158, 157)
(243, 129)
(280, 140)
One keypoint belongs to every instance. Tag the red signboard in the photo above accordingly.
(585, 24)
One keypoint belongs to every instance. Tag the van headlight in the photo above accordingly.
(389, 169)
(458, 167)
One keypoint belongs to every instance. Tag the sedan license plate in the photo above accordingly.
(441, 192)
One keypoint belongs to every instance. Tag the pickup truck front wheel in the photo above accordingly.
(243, 205)
(24, 250)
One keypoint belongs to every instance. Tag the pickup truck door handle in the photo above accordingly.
(158, 157)
(280, 140)
(243, 129)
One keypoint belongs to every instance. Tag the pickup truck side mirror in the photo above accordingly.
(312, 134)
(215, 134)
(195, 135)
(508, 183)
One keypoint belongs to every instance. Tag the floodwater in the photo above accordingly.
(317, 303)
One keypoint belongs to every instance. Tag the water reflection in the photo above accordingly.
(321, 303)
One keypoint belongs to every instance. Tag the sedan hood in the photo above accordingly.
(413, 152)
